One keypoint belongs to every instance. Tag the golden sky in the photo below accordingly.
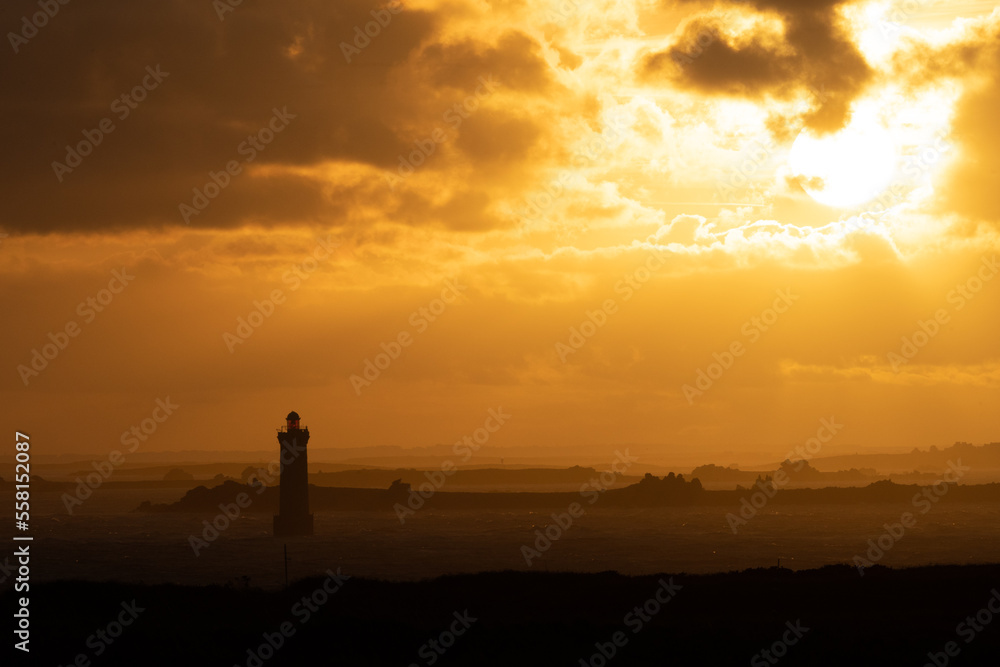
(570, 210)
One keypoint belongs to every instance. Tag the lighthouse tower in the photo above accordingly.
(293, 517)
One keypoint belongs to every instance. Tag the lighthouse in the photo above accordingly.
(293, 517)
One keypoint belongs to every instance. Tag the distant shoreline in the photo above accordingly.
(642, 494)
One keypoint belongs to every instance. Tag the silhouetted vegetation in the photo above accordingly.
(891, 617)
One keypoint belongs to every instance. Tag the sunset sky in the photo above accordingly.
(591, 201)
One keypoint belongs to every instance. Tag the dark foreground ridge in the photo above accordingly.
(830, 616)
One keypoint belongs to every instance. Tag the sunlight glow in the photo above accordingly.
(847, 168)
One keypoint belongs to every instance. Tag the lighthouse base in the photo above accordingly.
(286, 525)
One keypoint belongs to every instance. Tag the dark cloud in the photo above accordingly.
(970, 188)
(225, 78)
(919, 64)
(516, 56)
(816, 57)
(974, 62)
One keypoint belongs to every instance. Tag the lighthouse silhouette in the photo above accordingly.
(293, 517)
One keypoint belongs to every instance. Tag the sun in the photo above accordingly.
(847, 168)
